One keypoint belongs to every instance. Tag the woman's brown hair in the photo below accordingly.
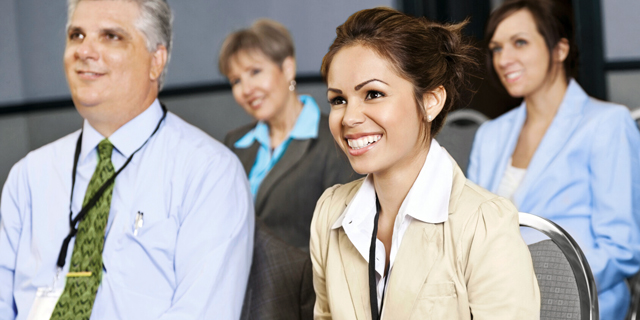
(554, 21)
(426, 53)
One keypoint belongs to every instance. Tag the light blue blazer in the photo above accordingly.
(585, 176)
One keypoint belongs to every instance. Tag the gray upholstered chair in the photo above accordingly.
(567, 286)
(635, 114)
(458, 133)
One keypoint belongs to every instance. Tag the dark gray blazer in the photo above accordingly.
(280, 282)
(288, 194)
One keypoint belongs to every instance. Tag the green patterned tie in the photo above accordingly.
(80, 290)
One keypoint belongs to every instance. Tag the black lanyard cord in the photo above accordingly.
(62, 257)
(373, 291)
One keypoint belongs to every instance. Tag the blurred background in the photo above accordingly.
(35, 106)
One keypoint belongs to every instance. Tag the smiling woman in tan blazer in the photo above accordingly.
(441, 247)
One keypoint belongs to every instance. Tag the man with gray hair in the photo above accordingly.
(138, 215)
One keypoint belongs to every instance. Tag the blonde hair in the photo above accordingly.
(265, 36)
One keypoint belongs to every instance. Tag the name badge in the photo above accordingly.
(45, 302)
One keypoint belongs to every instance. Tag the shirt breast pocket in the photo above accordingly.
(143, 252)
(437, 301)
(152, 231)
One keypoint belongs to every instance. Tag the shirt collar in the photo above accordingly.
(306, 126)
(572, 103)
(427, 200)
(127, 138)
(573, 100)
(90, 140)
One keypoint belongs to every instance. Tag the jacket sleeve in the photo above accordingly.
(499, 275)
(318, 249)
(227, 140)
(14, 204)
(615, 186)
(307, 295)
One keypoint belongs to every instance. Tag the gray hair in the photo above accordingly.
(155, 22)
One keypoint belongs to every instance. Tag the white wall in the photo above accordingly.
(621, 29)
(10, 73)
(623, 87)
(621, 42)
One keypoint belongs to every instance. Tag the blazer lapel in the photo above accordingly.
(512, 131)
(248, 156)
(421, 248)
(294, 153)
(561, 129)
(356, 273)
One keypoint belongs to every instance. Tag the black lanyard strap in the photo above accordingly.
(373, 291)
(62, 257)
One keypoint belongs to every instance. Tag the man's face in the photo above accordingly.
(106, 60)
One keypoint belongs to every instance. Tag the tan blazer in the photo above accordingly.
(475, 263)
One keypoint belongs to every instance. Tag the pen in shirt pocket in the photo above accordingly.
(139, 222)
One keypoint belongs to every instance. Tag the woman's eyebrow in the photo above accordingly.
(519, 34)
(358, 87)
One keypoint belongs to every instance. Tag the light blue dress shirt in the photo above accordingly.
(306, 127)
(192, 255)
(585, 176)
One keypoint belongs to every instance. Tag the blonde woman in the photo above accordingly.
(288, 153)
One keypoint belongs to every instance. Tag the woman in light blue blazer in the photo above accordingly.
(562, 154)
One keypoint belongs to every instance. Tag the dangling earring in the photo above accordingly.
(292, 85)
(429, 118)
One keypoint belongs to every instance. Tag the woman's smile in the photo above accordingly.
(360, 144)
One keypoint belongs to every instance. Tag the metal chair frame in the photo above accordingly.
(634, 287)
(582, 272)
(467, 114)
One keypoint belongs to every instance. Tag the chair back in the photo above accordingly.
(635, 114)
(567, 286)
(458, 133)
(466, 115)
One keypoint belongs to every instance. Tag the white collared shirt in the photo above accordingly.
(427, 201)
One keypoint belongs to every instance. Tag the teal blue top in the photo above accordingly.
(306, 127)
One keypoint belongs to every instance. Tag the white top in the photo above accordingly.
(427, 201)
(187, 260)
(511, 181)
